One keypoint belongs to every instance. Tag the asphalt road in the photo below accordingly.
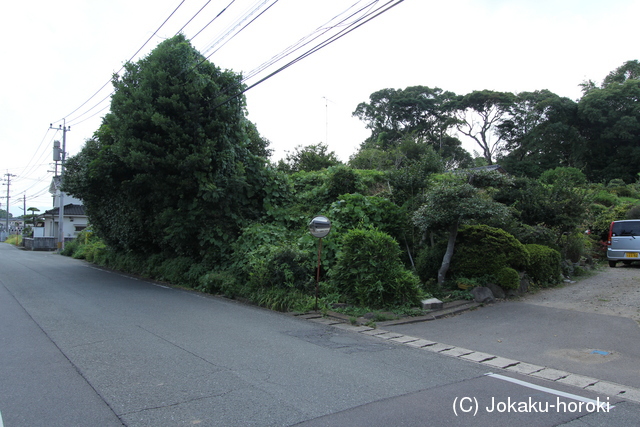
(595, 345)
(80, 346)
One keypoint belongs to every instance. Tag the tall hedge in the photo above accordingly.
(369, 272)
(482, 250)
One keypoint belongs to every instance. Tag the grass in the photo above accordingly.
(14, 239)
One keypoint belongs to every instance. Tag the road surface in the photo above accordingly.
(81, 346)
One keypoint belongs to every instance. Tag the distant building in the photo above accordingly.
(75, 220)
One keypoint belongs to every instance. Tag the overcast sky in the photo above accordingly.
(57, 54)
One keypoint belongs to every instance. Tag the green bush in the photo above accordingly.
(508, 278)
(342, 180)
(564, 175)
(605, 198)
(577, 246)
(357, 211)
(482, 251)
(284, 267)
(369, 271)
(223, 282)
(544, 266)
(70, 248)
(255, 243)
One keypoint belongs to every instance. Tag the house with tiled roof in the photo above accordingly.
(74, 221)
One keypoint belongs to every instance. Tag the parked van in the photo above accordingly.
(624, 242)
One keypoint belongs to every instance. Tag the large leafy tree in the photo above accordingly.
(479, 114)
(420, 113)
(541, 132)
(610, 122)
(175, 166)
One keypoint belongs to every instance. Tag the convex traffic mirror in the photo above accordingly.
(320, 226)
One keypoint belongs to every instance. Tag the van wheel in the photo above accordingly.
(612, 264)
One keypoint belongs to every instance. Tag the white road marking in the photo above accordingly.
(545, 389)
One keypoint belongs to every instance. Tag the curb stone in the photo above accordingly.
(606, 388)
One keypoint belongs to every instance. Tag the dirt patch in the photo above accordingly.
(612, 291)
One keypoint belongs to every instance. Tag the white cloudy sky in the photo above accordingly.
(57, 54)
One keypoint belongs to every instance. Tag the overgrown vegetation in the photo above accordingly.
(183, 192)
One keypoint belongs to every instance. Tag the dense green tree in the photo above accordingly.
(175, 166)
(417, 110)
(628, 70)
(479, 114)
(610, 123)
(309, 158)
(540, 133)
(418, 113)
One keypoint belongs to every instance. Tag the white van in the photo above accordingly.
(624, 242)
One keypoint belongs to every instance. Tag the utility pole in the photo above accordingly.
(63, 153)
(8, 184)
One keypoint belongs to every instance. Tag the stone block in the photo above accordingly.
(432, 304)
(550, 374)
(477, 356)
(610, 389)
(389, 335)
(404, 339)
(578, 380)
(438, 347)
(524, 368)
(500, 362)
(456, 351)
(421, 343)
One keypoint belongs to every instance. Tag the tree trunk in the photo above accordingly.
(446, 260)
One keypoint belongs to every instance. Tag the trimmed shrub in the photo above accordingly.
(544, 266)
(369, 271)
(508, 278)
(483, 251)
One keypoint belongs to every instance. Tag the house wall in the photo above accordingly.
(71, 226)
(66, 199)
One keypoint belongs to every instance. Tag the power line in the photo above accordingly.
(348, 29)
(130, 59)
(76, 120)
(214, 18)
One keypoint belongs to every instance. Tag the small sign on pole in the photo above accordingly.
(319, 227)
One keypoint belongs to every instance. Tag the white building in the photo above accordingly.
(74, 218)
